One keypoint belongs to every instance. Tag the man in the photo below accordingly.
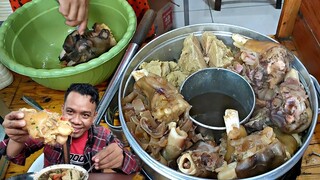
(90, 145)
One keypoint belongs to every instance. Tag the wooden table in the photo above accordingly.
(110, 176)
(92, 176)
(53, 99)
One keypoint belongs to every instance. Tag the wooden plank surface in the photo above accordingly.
(307, 46)
(287, 18)
(300, 23)
(310, 12)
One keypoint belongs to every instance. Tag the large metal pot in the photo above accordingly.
(168, 47)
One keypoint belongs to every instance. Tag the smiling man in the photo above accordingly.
(89, 144)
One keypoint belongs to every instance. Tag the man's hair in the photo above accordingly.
(84, 89)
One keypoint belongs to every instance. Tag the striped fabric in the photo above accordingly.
(5, 9)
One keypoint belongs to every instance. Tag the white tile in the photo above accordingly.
(178, 20)
(195, 17)
(193, 5)
(263, 19)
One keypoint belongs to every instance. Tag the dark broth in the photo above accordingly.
(209, 108)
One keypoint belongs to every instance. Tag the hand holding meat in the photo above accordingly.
(13, 124)
(75, 13)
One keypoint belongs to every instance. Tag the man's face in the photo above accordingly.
(80, 112)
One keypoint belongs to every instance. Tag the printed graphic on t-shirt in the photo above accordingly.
(77, 159)
(77, 149)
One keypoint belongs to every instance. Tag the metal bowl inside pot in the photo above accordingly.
(209, 95)
(168, 47)
(211, 91)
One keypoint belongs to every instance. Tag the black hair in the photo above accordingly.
(84, 89)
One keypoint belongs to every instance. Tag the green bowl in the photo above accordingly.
(31, 40)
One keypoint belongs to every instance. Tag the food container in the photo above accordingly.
(54, 168)
(31, 41)
(168, 47)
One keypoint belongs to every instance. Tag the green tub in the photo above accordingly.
(31, 40)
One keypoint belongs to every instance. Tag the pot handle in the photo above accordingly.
(317, 87)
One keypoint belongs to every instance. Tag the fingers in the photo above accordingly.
(64, 7)
(17, 135)
(14, 120)
(82, 12)
(13, 124)
(15, 115)
(72, 23)
(16, 132)
(110, 157)
(19, 139)
(82, 25)
(114, 163)
(75, 13)
(82, 28)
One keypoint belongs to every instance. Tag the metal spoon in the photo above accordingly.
(32, 103)
(90, 169)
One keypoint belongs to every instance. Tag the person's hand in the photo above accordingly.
(75, 13)
(13, 124)
(109, 157)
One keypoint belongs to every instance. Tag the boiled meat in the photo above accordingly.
(82, 48)
(191, 58)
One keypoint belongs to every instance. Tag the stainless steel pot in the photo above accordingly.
(168, 47)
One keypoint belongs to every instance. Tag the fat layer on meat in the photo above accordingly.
(216, 53)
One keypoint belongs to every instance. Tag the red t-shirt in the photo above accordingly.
(77, 149)
(15, 4)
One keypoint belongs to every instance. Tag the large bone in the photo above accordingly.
(176, 142)
(186, 165)
(251, 44)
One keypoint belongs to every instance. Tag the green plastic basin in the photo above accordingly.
(31, 40)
